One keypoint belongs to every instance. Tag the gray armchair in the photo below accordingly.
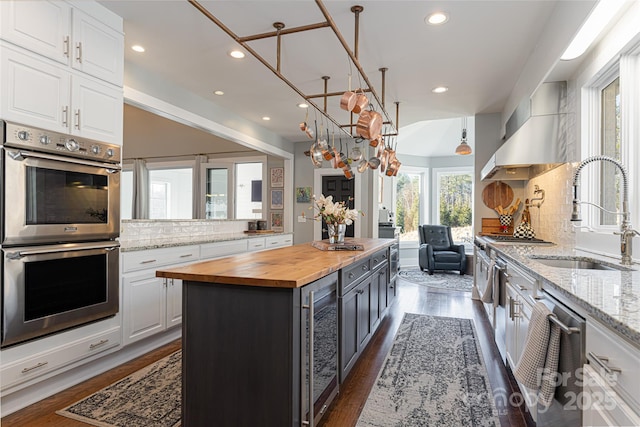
(437, 251)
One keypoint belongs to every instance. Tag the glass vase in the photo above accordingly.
(336, 232)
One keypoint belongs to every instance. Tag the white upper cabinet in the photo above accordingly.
(98, 50)
(65, 34)
(39, 26)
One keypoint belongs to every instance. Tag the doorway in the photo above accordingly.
(342, 189)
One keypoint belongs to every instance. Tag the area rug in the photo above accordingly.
(434, 375)
(451, 280)
(150, 397)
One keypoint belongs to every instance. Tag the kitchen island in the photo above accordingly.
(254, 323)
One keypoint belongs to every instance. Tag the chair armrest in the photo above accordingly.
(458, 248)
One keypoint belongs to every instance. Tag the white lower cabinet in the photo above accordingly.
(601, 405)
(152, 304)
(611, 379)
(49, 356)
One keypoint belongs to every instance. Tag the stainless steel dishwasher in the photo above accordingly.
(522, 295)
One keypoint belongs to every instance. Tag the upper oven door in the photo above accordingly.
(50, 199)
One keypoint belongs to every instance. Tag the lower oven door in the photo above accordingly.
(50, 288)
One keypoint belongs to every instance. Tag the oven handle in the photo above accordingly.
(21, 155)
(108, 246)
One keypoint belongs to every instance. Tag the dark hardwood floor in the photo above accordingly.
(353, 394)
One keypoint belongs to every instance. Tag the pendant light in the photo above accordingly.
(463, 149)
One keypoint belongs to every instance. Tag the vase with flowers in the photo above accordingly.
(336, 215)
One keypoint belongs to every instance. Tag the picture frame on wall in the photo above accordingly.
(277, 221)
(277, 199)
(277, 177)
(303, 194)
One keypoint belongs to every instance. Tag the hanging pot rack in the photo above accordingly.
(280, 30)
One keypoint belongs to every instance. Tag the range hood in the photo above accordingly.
(539, 134)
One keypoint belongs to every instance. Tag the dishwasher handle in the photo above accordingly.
(554, 319)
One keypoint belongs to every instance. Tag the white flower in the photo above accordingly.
(334, 213)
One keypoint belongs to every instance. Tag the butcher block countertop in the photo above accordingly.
(288, 267)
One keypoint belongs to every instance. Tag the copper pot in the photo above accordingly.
(369, 124)
(361, 103)
(348, 100)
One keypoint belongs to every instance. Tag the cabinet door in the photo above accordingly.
(97, 110)
(383, 277)
(374, 302)
(510, 329)
(34, 91)
(98, 50)
(363, 292)
(39, 26)
(524, 311)
(174, 302)
(144, 306)
(348, 332)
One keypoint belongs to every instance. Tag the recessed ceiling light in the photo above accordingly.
(440, 89)
(437, 18)
(236, 54)
(303, 105)
(266, 118)
(137, 48)
(218, 92)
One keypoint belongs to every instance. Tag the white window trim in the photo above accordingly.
(627, 67)
(424, 214)
(230, 163)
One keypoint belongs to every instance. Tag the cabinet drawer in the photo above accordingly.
(148, 259)
(45, 362)
(278, 241)
(349, 276)
(379, 259)
(602, 405)
(256, 244)
(618, 354)
(220, 249)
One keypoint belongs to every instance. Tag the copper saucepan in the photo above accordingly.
(369, 125)
(348, 100)
(361, 103)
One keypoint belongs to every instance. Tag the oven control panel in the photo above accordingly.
(35, 139)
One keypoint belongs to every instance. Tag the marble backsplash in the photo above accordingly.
(551, 220)
(161, 232)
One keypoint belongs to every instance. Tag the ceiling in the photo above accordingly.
(479, 54)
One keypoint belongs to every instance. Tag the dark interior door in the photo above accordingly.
(341, 189)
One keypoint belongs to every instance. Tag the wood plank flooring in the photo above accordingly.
(353, 394)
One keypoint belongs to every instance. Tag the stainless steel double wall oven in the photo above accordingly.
(60, 220)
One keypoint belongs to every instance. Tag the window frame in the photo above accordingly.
(626, 67)
(435, 210)
(230, 164)
(425, 194)
(176, 164)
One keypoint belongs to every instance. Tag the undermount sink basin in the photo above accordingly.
(578, 263)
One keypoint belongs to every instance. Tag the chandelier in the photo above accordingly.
(364, 101)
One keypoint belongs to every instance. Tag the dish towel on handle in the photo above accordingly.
(487, 296)
(538, 364)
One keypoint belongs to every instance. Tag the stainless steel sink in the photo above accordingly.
(581, 263)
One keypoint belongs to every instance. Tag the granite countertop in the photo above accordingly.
(142, 244)
(287, 267)
(611, 296)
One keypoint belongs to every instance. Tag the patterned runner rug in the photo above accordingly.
(434, 375)
(150, 397)
(451, 280)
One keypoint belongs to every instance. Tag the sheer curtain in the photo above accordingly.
(140, 206)
(198, 200)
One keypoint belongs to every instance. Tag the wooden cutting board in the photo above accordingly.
(497, 194)
(492, 226)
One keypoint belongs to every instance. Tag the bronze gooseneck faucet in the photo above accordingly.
(626, 231)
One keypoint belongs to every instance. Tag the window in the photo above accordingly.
(610, 146)
(126, 194)
(233, 188)
(408, 191)
(170, 192)
(454, 190)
